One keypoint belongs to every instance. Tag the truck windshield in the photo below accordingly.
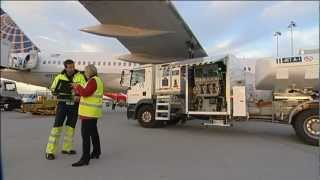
(198, 72)
(10, 86)
(137, 77)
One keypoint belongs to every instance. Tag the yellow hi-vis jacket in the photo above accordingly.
(78, 77)
(91, 106)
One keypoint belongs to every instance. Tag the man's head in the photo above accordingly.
(69, 66)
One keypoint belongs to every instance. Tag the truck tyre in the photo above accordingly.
(307, 126)
(8, 107)
(146, 117)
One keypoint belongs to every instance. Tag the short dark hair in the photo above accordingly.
(68, 61)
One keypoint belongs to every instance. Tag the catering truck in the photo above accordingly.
(210, 89)
(9, 97)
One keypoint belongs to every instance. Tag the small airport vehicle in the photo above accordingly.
(42, 106)
(9, 97)
(209, 89)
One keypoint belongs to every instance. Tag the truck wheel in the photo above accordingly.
(307, 126)
(8, 107)
(146, 117)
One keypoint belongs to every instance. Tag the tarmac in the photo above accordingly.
(247, 151)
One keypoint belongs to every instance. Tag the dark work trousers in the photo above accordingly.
(69, 111)
(89, 130)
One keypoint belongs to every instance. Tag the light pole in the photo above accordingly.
(291, 26)
(277, 34)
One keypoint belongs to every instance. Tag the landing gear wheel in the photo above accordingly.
(307, 126)
(146, 117)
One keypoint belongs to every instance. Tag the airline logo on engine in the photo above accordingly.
(286, 60)
(308, 58)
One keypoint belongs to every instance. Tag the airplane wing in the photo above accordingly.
(152, 31)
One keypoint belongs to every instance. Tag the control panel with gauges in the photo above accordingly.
(207, 85)
(169, 79)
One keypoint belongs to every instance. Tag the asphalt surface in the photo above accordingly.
(247, 151)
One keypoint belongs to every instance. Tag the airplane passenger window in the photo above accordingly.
(104, 63)
(109, 63)
(59, 62)
(44, 62)
(49, 62)
(79, 62)
(99, 63)
(114, 63)
(119, 63)
(124, 64)
(129, 64)
(94, 63)
(83, 62)
(89, 62)
(54, 62)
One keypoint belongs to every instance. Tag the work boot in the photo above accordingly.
(94, 155)
(71, 152)
(50, 156)
(82, 162)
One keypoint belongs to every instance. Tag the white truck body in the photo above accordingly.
(5, 52)
(213, 89)
(17, 61)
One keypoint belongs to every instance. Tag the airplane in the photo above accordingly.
(30, 65)
(152, 31)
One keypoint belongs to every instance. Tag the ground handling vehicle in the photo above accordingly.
(210, 89)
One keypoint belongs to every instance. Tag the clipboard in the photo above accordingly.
(63, 88)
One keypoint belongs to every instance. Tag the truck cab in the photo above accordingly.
(140, 91)
(9, 97)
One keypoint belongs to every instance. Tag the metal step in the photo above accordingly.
(163, 97)
(163, 118)
(163, 107)
(220, 123)
(162, 111)
(162, 104)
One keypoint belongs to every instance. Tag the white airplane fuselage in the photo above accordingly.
(48, 65)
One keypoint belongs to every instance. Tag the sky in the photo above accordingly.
(242, 28)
